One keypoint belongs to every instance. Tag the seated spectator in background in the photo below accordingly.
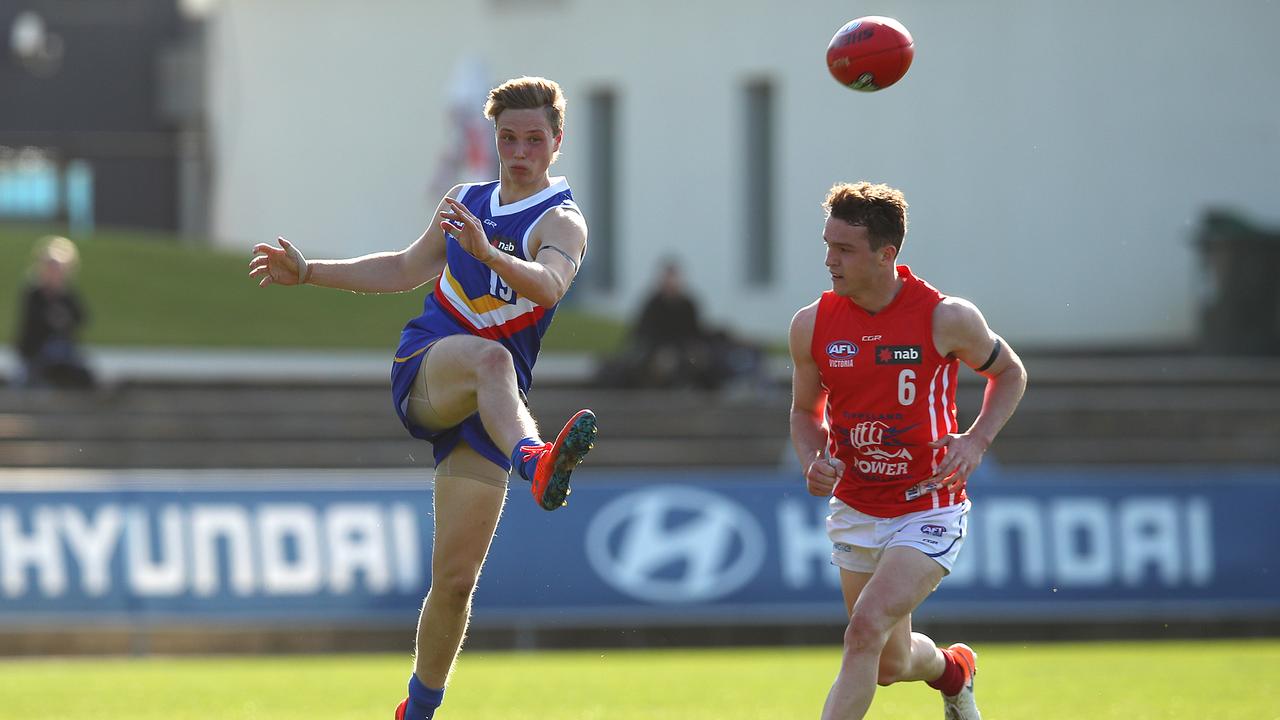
(51, 317)
(670, 347)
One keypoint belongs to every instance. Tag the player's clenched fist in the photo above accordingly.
(822, 474)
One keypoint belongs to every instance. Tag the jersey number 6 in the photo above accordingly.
(906, 388)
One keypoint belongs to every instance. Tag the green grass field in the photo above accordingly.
(146, 289)
(1212, 680)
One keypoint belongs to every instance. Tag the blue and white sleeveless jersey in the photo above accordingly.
(469, 298)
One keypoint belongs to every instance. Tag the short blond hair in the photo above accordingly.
(881, 209)
(525, 93)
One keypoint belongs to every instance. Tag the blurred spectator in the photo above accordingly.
(52, 315)
(669, 346)
(672, 348)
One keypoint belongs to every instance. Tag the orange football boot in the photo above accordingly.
(556, 461)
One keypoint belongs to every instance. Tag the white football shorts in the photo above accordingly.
(858, 539)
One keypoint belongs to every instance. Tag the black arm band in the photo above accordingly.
(995, 353)
(565, 254)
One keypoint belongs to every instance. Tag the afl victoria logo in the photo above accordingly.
(841, 350)
(675, 544)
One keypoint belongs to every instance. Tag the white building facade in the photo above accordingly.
(1057, 157)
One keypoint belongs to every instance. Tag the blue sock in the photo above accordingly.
(423, 700)
(525, 467)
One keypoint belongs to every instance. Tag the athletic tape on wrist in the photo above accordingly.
(304, 269)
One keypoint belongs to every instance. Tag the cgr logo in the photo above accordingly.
(490, 223)
(675, 544)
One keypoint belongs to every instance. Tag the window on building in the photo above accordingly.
(758, 181)
(600, 272)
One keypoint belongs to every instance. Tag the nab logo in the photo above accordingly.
(505, 245)
(897, 354)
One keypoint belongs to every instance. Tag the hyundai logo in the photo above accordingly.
(675, 544)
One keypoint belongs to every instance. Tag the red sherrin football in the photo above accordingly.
(870, 53)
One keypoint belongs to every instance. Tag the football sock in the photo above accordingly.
(423, 700)
(525, 467)
(951, 682)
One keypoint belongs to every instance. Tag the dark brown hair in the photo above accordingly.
(882, 210)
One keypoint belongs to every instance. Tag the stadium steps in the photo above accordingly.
(354, 426)
(1120, 411)
(1085, 422)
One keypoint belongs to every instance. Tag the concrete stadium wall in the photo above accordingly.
(1057, 157)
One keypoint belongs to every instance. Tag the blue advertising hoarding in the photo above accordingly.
(631, 547)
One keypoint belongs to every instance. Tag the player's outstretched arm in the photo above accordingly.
(558, 243)
(808, 432)
(959, 329)
(384, 272)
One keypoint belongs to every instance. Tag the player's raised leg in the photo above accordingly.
(463, 374)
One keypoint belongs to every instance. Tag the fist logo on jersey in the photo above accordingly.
(884, 455)
(872, 437)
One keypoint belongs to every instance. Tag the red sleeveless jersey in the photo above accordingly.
(889, 394)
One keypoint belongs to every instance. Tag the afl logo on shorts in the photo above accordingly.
(840, 353)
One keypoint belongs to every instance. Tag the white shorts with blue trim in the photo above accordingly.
(858, 539)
